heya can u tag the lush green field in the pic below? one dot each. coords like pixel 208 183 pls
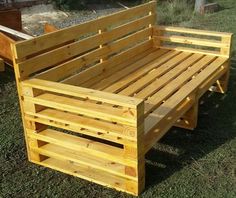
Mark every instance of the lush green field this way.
pixel 201 163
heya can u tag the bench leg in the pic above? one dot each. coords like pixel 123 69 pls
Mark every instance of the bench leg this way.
pixel 189 119
pixel 135 187
pixel 221 85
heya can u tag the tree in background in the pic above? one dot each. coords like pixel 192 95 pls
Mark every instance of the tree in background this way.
pixel 199 5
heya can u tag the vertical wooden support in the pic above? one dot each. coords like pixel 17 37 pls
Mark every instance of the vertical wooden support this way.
pixel 222 84
pixel 189 119
pixel 29 127
pixel 2 65
pixel 137 155
pixel 157 32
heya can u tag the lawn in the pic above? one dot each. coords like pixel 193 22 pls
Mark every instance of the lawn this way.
pixel 199 163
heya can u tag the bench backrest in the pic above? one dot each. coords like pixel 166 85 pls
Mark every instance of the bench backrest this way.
pixel 69 50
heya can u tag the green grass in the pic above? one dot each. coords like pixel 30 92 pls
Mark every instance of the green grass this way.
pixel 201 163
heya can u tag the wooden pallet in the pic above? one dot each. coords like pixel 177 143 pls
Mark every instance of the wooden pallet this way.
pixel 97 96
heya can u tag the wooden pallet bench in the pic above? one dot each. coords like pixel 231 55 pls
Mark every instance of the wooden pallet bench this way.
pixel 96 97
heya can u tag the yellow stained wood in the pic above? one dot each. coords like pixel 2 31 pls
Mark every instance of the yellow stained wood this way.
pixel 79 123
pixel 38 63
pixel 82 92
pixel 91 147
pixel 109 64
pixel 152 75
pixel 192 41
pixel 167 77
pixel 80 157
pixel 117 67
pixel 183 94
pixel 47 41
pixel 192 31
pixel 128 70
pixel 175 84
pixel 109 113
pixel 84 172
pixel 140 72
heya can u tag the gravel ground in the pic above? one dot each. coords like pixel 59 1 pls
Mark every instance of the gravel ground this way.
pixel 35 17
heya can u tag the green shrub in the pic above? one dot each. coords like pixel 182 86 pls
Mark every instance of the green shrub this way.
pixel 174 11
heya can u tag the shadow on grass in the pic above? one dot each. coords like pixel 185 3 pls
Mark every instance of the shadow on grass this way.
pixel 180 147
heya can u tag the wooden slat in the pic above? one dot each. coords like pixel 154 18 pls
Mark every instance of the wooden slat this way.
pixel 192 50
pixel 94 148
pixel 167 77
pixel 152 75
pixel 15 33
pixel 117 67
pixel 192 41
pixel 47 41
pixel 66 52
pixel 128 70
pixel 78 123
pixel 192 31
pixel 99 177
pixel 124 82
pixel 46 60
pixel 107 65
pixel 123 116
pixel 175 84
pixel 80 157
pixel 82 92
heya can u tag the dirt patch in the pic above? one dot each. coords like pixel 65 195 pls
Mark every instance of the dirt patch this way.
pixel 35 17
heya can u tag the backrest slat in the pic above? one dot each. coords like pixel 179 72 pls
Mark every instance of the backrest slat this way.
pixel 105 36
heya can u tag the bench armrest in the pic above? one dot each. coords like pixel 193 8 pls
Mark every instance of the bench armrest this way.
pixel 95 111
pixel 207 42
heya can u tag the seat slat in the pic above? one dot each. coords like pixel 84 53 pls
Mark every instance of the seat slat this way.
pixel 117 67
pixel 152 75
pixel 124 82
pixel 167 77
pixel 154 101
pixel 128 70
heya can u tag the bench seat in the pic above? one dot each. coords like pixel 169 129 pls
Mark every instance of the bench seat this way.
pixel 166 80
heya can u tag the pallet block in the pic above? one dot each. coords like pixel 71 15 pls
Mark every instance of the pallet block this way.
pixel 97 96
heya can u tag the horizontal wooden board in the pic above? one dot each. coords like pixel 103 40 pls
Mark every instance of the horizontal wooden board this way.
pixel 80 157
pixel 126 81
pixel 94 148
pixel 47 60
pixel 109 113
pixel 192 31
pixel 99 177
pixel 192 41
pixel 109 64
pixel 82 92
pixel 78 123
